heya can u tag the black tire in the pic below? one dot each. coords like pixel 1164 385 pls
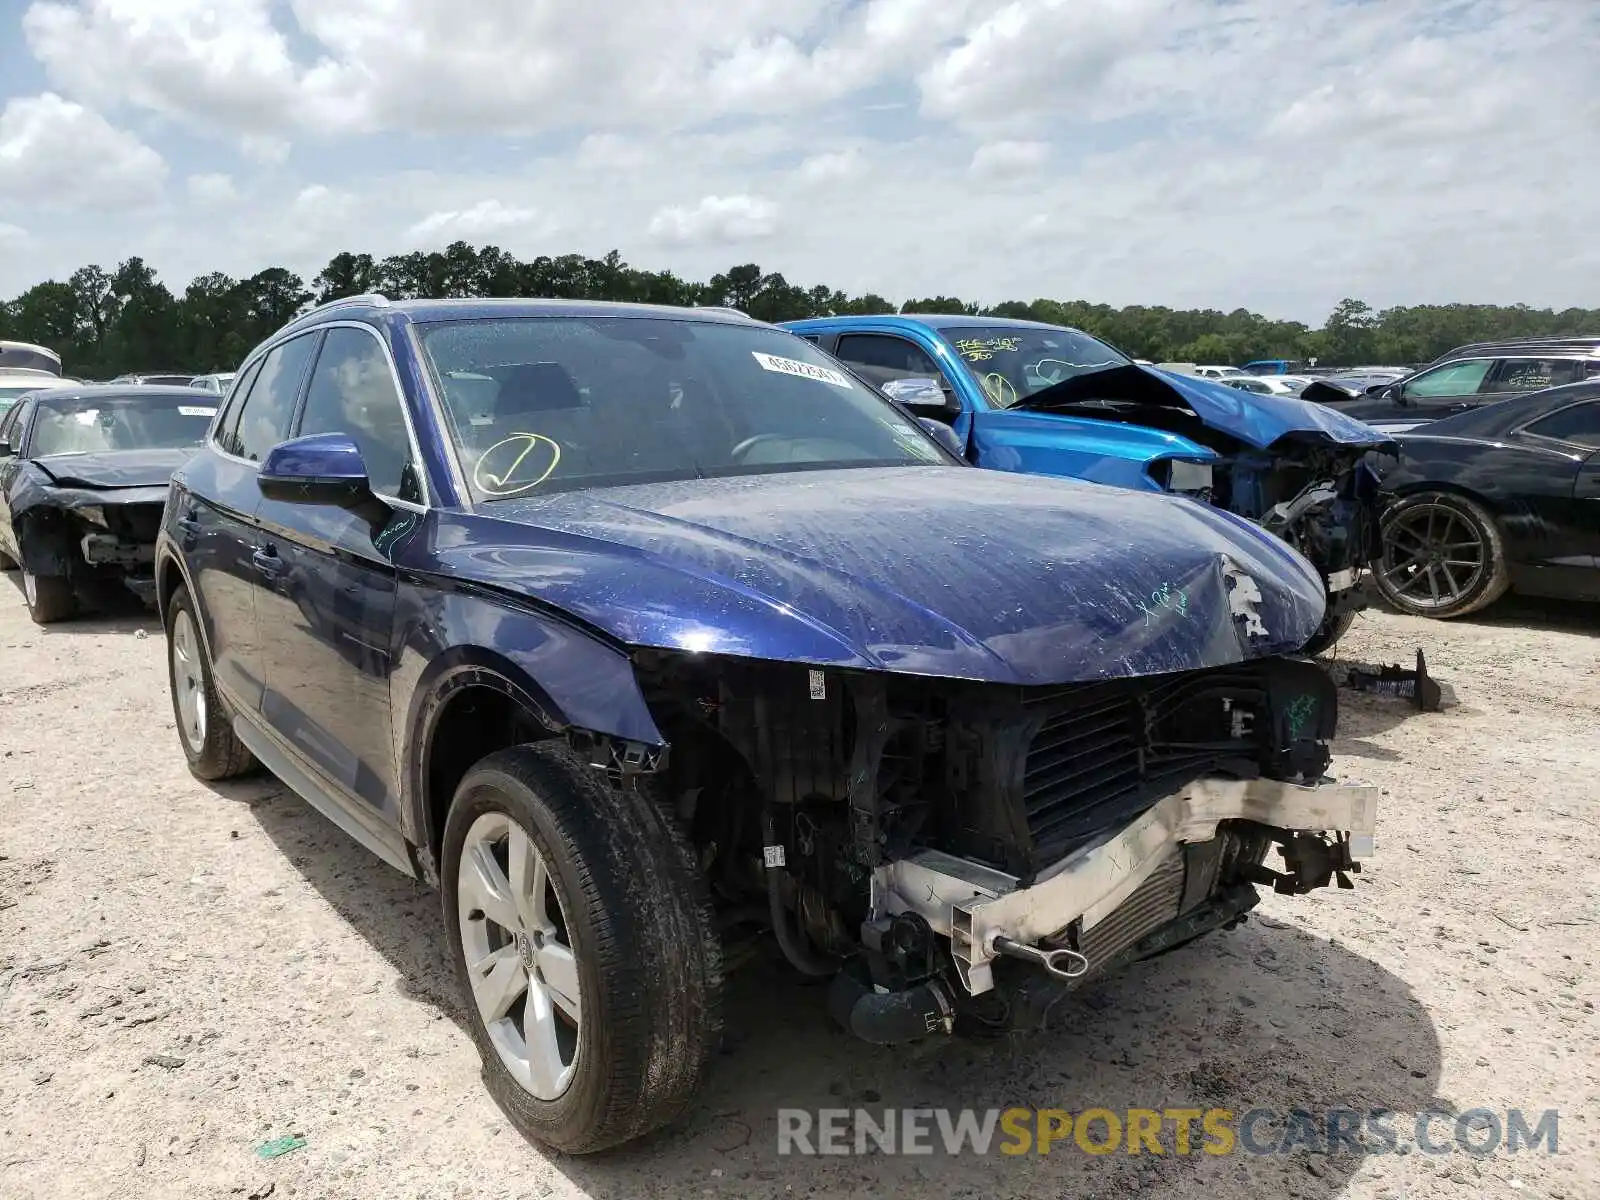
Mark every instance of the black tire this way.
pixel 1450 589
pixel 216 753
pixel 50 597
pixel 1332 629
pixel 639 918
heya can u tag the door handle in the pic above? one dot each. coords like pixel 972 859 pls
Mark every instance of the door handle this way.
pixel 267 562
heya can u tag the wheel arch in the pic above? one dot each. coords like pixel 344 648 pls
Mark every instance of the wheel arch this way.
pixel 170 573
pixel 1448 488
pixel 470 702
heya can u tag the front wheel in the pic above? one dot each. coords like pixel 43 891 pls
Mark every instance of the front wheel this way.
pixel 50 597
pixel 1442 556
pixel 584 945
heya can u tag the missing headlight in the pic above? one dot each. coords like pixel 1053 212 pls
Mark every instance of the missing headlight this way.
pixel 1179 475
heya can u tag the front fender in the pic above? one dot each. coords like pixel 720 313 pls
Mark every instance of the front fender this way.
pixel 1043 443
pixel 446 640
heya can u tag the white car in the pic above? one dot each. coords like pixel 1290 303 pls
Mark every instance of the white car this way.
pixel 1214 372
pixel 1265 385
pixel 18 381
pixel 217 384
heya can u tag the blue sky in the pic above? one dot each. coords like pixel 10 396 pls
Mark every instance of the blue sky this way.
pixel 1271 154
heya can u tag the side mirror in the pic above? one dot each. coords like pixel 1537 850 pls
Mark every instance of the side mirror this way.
pixel 324 468
pixel 920 391
pixel 944 435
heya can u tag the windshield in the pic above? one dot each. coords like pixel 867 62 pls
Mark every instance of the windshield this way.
pixel 541 404
pixel 1012 363
pixel 91 424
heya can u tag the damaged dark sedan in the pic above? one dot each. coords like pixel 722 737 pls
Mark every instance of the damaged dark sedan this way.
pixel 627 627
pixel 83 476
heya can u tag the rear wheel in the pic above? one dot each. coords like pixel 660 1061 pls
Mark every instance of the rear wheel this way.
pixel 50 597
pixel 584 946
pixel 1442 556
pixel 209 743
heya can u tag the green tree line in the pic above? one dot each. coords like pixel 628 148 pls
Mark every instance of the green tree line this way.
pixel 106 323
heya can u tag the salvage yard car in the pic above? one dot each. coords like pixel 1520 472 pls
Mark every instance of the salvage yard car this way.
pixel 1501 498
pixel 83 476
pixel 614 622
pixel 1023 396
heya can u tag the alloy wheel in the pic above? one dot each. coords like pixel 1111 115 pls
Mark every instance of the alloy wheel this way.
pixel 189 680
pixel 1433 555
pixel 520 956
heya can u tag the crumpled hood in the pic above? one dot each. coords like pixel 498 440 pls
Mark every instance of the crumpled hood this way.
pixel 1256 420
pixel 979 575
pixel 114 468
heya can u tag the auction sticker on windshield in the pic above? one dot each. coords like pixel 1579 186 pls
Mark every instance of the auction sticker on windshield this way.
pixel 791 366
pixel 195 410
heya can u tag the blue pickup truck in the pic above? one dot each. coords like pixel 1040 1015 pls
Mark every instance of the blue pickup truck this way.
pixel 1024 396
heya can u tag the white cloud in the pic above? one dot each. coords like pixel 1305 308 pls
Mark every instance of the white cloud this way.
pixel 716 219
pixel 830 166
pixel 13 237
pixel 999 160
pixel 1032 57
pixel 219 64
pixel 53 151
pixel 443 66
pixel 483 219
pixel 211 188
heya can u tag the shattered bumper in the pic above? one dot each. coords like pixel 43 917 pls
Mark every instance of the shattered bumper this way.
pixel 975 906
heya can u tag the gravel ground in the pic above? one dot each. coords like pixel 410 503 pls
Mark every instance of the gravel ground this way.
pixel 188 973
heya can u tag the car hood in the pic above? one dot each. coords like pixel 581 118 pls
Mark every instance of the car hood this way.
pixel 113 468
pixel 935 571
pixel 1256 420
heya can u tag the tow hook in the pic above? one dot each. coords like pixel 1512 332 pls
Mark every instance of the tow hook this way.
pixel 1063 963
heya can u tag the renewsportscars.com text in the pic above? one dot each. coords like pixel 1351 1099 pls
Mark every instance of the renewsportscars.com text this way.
pixel 1176 1131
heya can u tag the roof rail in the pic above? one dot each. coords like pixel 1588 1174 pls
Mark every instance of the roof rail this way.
pixel 1569 343
pixel 365 299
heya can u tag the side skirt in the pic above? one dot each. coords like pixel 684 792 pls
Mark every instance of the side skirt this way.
pixel 386 843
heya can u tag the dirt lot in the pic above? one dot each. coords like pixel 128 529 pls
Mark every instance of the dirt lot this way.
pixel 187 973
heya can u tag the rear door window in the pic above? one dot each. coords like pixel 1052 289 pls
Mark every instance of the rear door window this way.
pixel 1579 425
pixel 1533 374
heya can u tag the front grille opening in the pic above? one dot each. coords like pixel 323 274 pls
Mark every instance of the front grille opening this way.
pixel 1102 754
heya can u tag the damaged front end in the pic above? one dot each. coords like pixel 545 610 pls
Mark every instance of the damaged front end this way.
pixel 1297 469
pixel 97 539
pixel 966 853
pixel 1320 499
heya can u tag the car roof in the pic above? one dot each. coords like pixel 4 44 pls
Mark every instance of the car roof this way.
pixel 1586 346
pixel 930 320
pixel 110 391
pixel 424 311
pixel 1502 416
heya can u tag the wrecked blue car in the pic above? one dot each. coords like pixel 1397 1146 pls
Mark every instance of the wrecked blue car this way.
pixel 1021 396
pixel 638 631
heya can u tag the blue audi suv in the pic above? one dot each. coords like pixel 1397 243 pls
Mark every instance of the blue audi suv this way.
pixel 633 630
